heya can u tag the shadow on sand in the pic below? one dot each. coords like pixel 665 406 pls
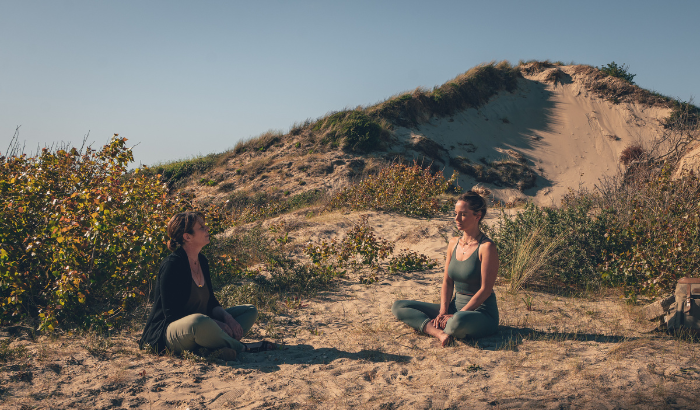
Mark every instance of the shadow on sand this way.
pixel 303 354
pixel 509 338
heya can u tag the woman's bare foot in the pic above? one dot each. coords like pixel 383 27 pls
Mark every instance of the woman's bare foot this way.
pixel 443 337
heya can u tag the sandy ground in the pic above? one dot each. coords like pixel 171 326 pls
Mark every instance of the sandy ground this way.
pixel 569 136
pixel 344 349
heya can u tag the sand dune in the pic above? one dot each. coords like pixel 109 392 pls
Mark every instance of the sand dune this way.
pixel 568 135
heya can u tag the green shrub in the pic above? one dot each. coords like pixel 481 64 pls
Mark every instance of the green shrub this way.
pixel 363 252
pixel 612 69
pixel 80 237
pixel 246 256
pixel 410 190
pixel 655 240
pixel 359 247
pixel 411 261
pixel 577 225
pixel 207 182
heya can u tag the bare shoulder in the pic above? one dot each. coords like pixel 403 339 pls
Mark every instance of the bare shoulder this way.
pixel 453 242
pixel 488 247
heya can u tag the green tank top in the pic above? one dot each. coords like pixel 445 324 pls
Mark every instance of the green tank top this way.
pixel 466 274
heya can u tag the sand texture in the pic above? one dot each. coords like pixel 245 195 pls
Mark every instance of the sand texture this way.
pixel 344 349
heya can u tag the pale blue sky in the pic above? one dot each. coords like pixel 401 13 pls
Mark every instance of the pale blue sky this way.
pixel 184 78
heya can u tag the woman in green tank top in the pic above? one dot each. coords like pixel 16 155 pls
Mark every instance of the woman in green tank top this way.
pixel 470 273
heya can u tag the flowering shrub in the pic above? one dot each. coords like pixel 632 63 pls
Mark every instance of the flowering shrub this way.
pixel 410 190
pixel 80 238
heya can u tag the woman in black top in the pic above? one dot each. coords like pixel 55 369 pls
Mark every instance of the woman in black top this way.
pixel 185 313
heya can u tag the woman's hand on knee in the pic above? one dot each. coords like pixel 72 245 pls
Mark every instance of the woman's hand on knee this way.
pixel 226 328
pixel 440 321
pixel 236 329
pixel 443 321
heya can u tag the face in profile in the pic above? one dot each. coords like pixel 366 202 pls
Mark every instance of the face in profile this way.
pixel 465 218
pixel 200 235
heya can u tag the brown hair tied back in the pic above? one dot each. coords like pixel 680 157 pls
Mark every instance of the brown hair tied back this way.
pixel 476 200
pixel 179 225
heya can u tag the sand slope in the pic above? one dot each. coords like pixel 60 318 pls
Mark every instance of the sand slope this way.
pixel 567 134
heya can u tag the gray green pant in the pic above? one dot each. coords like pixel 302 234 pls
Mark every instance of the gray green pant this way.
pixel 477 323
pixel 199 330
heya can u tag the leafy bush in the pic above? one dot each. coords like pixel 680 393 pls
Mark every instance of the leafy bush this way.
pixel 578 226
pixel 411 261
pixel 655 240
pixel 359 247
pixel 612 69
pixel 80 238
pixel 363 252
pixel 410 190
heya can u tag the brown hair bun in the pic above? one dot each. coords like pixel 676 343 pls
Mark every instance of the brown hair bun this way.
pixel 482 191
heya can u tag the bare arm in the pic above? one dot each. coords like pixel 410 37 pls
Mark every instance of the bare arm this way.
pixel 488 254
pixel 447 282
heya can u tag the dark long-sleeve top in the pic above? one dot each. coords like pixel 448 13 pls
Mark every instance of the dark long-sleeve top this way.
pixel 173 285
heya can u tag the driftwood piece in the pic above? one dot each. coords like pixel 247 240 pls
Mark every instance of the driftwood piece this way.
pixel 658 309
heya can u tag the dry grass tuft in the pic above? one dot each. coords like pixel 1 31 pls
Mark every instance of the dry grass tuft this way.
pixel 530 254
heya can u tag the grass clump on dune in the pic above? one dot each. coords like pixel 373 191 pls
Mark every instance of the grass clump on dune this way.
pixel 176 172
pixel 469 90
pixel 351 130
pixel 260 143
pixel 406 189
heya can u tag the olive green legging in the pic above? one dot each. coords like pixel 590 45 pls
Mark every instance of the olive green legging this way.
pixel 477 323
pixel 198 330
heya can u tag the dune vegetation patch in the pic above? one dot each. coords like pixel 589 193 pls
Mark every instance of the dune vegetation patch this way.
pixel 505 172
pixel 406 189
